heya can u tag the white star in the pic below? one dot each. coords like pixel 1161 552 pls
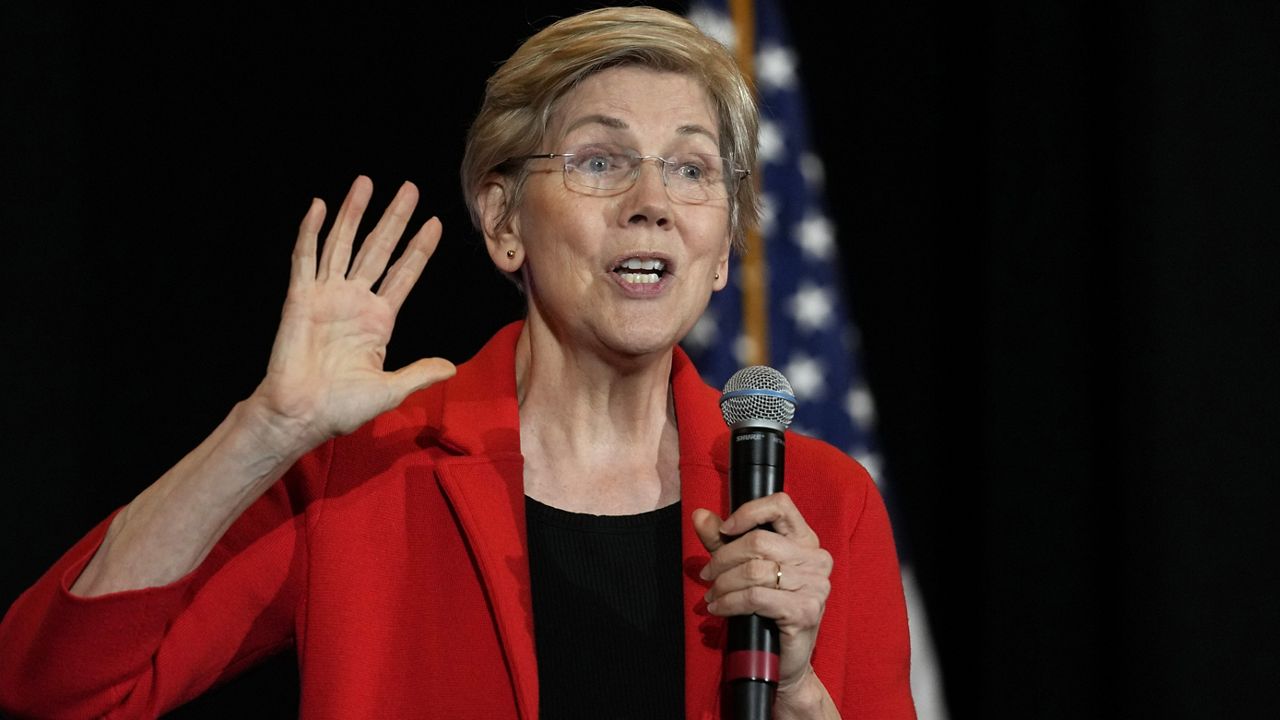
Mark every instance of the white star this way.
pixel 811 306
pixel 805 374
pixel 811 168
pixel 861 406
pixel 816 236
pixel 871 461
pixel 704 332
pixel 771 141
pixel 715 25
pixel 744 350
pixel 776 68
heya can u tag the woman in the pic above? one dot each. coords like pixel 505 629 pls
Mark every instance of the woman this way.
pixel 509 539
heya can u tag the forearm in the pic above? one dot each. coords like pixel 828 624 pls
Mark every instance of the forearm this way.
pixel 172 525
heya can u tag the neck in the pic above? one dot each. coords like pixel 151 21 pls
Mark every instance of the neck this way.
pixel 598 432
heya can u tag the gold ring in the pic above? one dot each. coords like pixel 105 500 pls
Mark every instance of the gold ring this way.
pixel 777 582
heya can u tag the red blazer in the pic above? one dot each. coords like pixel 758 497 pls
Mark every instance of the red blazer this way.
pixel 394 560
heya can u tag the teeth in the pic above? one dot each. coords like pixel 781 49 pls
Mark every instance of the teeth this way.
pixel 645 264
pixel 639 278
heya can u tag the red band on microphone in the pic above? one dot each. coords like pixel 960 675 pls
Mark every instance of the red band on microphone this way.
pixel 751 664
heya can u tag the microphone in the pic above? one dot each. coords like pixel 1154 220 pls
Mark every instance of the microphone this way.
pixel 758 406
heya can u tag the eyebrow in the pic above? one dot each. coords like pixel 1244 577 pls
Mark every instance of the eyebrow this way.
pixel 620 124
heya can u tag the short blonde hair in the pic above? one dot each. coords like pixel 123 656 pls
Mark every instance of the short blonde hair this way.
pixel 520 97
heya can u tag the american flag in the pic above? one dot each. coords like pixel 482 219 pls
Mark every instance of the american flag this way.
pixel 804 330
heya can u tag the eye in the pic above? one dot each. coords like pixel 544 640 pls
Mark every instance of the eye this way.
pixel 691 171
pixel 595 164
pixel 598 160
pixel 694 168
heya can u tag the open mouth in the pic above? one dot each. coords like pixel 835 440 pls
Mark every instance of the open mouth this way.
pixel 641 271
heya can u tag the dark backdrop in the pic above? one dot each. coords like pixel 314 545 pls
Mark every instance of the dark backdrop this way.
pixel 1058 222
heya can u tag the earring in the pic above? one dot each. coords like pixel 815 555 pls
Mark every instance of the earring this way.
pixel 511 253
pixel 717 276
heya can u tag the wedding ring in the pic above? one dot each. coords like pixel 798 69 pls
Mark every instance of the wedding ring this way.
pixel 777 582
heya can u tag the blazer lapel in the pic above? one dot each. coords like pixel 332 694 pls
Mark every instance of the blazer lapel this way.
pixel 480 421
pixel 487 494
pixel 704 473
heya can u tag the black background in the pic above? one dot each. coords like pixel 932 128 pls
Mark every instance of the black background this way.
pixel 1059 225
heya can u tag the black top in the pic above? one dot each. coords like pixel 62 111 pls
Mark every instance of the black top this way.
pixel 607 608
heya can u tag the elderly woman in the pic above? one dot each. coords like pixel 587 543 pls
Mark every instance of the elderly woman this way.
pixel 506 539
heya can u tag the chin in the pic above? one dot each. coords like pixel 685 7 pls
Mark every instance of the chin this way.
pixel 642 339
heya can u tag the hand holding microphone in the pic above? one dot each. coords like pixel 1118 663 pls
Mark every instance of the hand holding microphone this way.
pixel 768 573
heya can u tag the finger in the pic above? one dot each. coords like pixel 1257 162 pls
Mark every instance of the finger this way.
pixel 337 245
pixel 418 375
pixel 789 609
pixel 776 510
pixel 813 573
pixel 754 545
pixel 756 572
pixel 374 251
pixel 707 525
pixel 406 271
pixel 302 269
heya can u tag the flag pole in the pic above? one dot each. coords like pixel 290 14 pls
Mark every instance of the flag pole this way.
pixel 755 314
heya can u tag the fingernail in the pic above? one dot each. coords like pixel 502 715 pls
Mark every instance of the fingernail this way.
pixel 707 598
pixel 705 573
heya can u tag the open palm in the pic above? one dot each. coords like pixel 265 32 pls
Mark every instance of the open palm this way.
pixel 325 375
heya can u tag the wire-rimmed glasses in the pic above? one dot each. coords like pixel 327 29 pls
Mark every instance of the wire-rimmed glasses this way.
pixel 604 169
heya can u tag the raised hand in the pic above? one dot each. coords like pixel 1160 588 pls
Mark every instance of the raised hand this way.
pixel 324 378
pixel 325 375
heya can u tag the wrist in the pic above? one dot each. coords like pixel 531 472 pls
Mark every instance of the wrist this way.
pixel 805 697
pixel 274 435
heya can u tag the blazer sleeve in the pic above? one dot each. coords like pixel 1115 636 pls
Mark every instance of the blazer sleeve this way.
pixel 143 652
pixel 877 681
pixel 863 654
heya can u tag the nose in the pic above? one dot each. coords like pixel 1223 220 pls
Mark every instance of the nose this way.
pixel 647 201
pixel 658 162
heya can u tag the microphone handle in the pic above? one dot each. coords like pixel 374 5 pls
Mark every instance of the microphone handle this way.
pixel 756 465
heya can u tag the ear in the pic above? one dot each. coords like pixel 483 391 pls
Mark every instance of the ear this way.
pixel 501 238
pixel 722 267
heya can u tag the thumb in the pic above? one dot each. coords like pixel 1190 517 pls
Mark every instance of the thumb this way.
pixel 707 525
pixel 421 374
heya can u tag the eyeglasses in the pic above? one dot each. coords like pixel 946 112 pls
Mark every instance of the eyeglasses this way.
pixel 603 169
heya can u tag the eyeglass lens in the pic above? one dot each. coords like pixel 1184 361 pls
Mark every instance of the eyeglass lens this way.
pixel 689 176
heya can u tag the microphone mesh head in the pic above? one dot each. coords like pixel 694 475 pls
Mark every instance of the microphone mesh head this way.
pixel 758 394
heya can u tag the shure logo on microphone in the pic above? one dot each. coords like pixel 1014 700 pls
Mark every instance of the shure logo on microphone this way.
pixel 750 436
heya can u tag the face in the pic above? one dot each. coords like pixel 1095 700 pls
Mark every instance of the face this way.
pixel 628 273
